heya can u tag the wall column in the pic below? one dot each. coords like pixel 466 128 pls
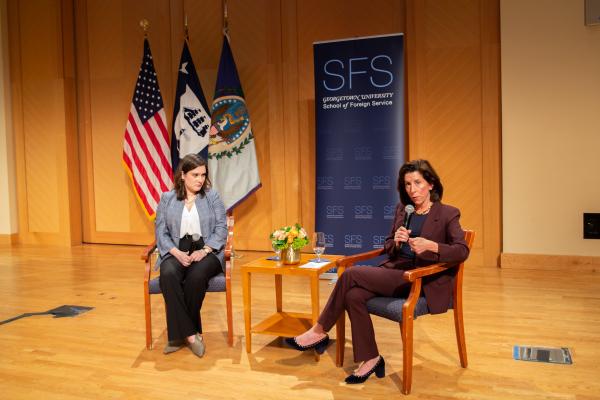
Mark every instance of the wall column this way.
pixel 8 187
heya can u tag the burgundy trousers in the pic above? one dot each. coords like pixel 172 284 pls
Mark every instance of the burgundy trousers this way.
pixel 351 292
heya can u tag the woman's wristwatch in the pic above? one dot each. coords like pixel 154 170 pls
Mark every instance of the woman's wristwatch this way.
pixel 207 250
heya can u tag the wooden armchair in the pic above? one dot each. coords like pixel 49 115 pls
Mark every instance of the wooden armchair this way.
pixel 219 283
pixel 404 311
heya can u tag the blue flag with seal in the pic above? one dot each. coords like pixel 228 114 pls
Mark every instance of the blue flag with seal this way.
pixel 232 163
pixel 191 121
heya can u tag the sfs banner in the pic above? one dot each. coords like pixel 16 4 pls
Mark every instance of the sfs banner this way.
pixel 360 140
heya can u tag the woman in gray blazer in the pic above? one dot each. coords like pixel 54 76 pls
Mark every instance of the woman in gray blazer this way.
pixel 432 235
pixel 191 232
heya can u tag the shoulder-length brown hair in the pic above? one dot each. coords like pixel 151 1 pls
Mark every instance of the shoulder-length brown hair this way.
pixel 186 164
pixel 429 174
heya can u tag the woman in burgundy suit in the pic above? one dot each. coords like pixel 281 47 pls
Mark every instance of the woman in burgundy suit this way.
pixel 433 235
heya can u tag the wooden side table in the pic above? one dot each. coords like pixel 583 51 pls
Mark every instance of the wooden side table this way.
pixel 282 323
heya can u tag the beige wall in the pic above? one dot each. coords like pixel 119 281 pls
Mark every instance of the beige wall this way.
pixel 550 126
pixel 8 194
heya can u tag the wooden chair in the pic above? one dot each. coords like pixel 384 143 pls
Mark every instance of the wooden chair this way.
pixel 404 311
pixel 219 283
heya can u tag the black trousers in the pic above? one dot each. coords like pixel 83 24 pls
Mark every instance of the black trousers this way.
pixel 352 291
pixel 183 289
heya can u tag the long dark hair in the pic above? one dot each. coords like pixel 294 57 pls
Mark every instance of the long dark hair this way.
pixel 429 174
pixel 186 164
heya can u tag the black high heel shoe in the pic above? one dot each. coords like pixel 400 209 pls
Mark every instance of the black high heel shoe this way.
pixel 378 368
pixel 319 345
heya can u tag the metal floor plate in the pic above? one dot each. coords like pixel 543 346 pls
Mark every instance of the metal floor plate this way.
pixel 555 355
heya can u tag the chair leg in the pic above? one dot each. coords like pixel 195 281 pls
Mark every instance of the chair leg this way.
pixel 229 311
pixel 406 330
pixel 459 326
pixel 147 311
pixel 460 332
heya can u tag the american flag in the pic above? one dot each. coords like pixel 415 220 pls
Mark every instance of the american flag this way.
pixel 146 150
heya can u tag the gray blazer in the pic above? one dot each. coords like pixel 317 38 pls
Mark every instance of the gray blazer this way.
pixel 213 223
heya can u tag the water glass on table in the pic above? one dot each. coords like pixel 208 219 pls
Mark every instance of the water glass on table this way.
pixel 277 252
pixel 318 244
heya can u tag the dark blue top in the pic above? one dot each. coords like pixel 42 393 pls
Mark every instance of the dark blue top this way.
pixel 415 227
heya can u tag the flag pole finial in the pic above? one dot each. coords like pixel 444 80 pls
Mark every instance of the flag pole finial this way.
pixel 225 20
pixel 144 24
pixel 186 32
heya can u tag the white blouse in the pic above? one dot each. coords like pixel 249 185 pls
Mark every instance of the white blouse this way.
pixel 190 221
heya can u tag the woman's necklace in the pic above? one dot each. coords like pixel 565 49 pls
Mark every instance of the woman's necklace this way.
pixel 424 211
pixel 190 201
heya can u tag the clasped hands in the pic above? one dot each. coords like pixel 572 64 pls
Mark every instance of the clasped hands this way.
pixel 418 244
pixel 185 259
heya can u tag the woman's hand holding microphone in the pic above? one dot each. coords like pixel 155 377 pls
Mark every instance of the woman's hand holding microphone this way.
pixel 418 244
pixel 401 236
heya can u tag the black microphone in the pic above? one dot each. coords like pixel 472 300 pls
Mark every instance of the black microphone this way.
pixel 408 210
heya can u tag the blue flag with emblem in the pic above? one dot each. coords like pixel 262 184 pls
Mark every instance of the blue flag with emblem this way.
pixel 191 121
pixel 232 163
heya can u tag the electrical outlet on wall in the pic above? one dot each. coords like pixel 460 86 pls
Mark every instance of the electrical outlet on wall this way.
pixel 591 225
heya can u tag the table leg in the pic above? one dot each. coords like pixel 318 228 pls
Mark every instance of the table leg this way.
pixel 314 295
pixel 247 309
pixel 278 292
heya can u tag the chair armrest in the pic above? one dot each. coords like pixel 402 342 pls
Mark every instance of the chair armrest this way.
pixel 146 257
pixel 228 247
pixel 148 251
pixel 417 273
pixel 228 267
pixel 229 244
pixel 409 276
pixel 351 260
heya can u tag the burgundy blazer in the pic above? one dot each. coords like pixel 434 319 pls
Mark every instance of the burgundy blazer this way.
pixel 442 225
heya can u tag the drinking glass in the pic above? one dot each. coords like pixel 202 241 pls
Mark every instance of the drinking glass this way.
pixel 277 252
pixel 318 244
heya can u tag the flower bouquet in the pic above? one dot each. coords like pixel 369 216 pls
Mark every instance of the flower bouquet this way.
pixel 289 240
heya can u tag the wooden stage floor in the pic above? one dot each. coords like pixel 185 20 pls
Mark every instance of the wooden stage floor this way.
pixel 101 354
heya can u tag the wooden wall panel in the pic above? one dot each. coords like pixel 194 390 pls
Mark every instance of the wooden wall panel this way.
pixel 110 42
pixel 491 132
pixel 314 23
pixel 452 95
pixel 43 97
pixel 44 107
pixel 451 72
pixel 255 31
